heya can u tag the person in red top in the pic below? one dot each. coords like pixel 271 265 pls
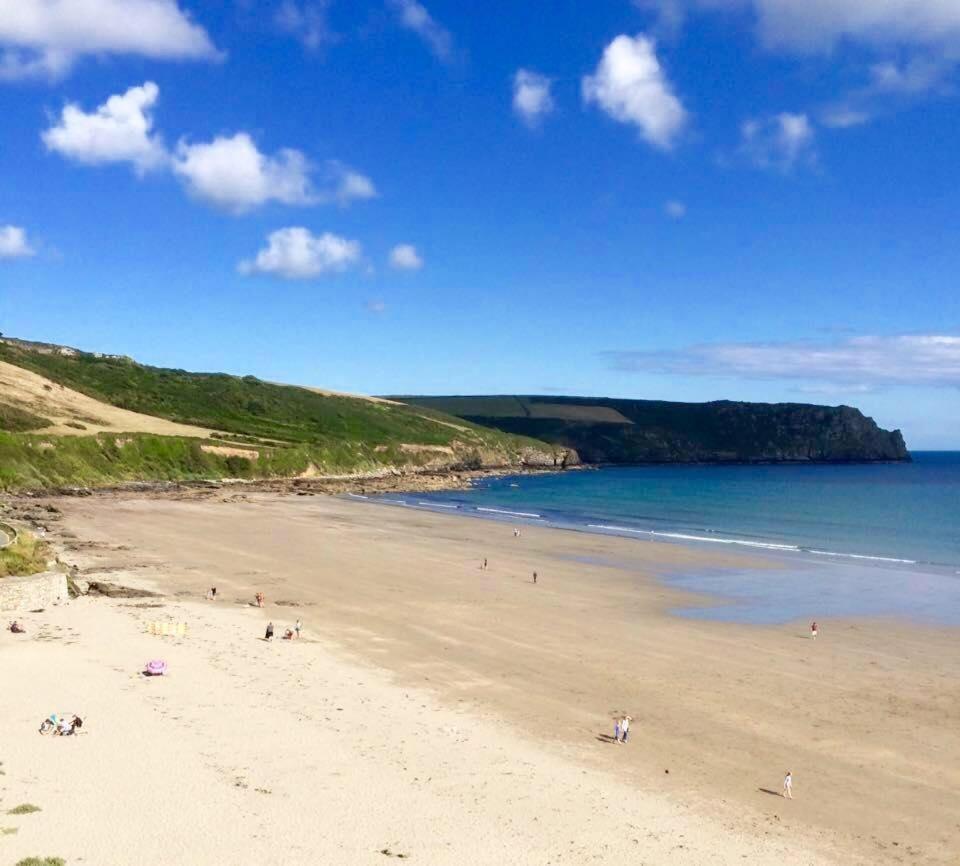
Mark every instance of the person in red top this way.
pixel 813 630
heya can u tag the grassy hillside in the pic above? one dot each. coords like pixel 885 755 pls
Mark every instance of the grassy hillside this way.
pixel 657 431
pixel 264 430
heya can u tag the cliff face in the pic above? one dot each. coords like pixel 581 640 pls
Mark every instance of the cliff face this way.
pixel 650 431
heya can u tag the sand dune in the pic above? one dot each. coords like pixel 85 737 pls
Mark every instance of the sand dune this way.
pixel 64 406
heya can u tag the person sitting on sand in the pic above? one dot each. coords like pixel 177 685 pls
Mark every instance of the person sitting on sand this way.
pixel 68 727
pixel 288 634
pixel 269 633
pixel 16 628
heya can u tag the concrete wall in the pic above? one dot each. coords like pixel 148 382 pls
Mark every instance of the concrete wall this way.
pixel 33 592
pixel 8 534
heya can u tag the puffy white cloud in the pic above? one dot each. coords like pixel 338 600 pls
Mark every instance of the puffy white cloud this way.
pixel 231 173
pixel 14 243
pixel 297 254
pixel 532 100
pixel 913 359
pixel 675 209
pixel 45 37
pixel 629 84
pixel 306 22
pixel 405 257
pixel 415 17
pixel 779 142
pixel 120 130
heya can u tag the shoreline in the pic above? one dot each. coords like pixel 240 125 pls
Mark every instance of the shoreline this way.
pixel 866 717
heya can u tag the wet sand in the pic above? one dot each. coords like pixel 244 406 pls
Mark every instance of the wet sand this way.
pixel 867 717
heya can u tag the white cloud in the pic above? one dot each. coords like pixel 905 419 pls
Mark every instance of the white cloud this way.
pixel 120 130
pixel 844 117
pixel 779 142
pixel 296 254
pixel 405 257
pixel 46 37
pixel 819 25
pixel 675 209
pixel 629 84
pixel 532 100
pixel 415 17
pixel 231 173
pixel 14 243
pixel 925 359
pixel 347 185
pixel 306 22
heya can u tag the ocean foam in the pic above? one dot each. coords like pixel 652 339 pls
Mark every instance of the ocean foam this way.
pixel 511 513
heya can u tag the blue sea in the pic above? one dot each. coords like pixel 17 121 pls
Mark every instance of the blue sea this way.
pixel 850 540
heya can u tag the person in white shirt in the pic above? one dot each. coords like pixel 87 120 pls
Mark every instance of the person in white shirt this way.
pixel 624 729
pixel 788 785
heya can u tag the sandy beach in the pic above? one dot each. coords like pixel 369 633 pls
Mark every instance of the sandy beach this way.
pixel 448 714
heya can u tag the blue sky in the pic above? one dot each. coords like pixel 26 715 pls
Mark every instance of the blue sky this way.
pixel 674 199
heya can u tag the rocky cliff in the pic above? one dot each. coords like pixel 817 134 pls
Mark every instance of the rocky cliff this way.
pixel 653 431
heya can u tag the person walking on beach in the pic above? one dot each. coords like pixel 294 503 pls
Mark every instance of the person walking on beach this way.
pixel 484 566
pixel 259 598
pixel 624 729
pixel 534 577
pixel 813 630
pixel 269 633
pixel 788 786
pixel 298 626
pixel 616 730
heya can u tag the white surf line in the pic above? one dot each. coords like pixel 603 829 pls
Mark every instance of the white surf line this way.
pixel 864 556
pixel 394 501
pixel 437 505
pixel 684 537
pixel 511 513
pixel 357 496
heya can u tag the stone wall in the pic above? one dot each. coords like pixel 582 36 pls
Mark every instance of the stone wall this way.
pixel 33 592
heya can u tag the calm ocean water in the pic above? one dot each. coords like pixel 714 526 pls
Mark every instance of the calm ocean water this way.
pixel 888 534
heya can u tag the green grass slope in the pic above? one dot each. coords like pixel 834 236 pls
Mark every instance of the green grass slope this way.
pixel 281 430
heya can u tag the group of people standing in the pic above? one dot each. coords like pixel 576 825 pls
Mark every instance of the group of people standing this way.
pixel 621 729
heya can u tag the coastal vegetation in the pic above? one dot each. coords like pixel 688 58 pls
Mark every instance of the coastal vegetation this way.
pixel 27 555
pixel 658 431
pixel 257 429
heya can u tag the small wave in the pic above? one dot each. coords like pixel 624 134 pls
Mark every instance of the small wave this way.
pixel 437 505
pixel 863 556
pixel 394 501
pixel 511 513
pixel 357 496
pixel 765 545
